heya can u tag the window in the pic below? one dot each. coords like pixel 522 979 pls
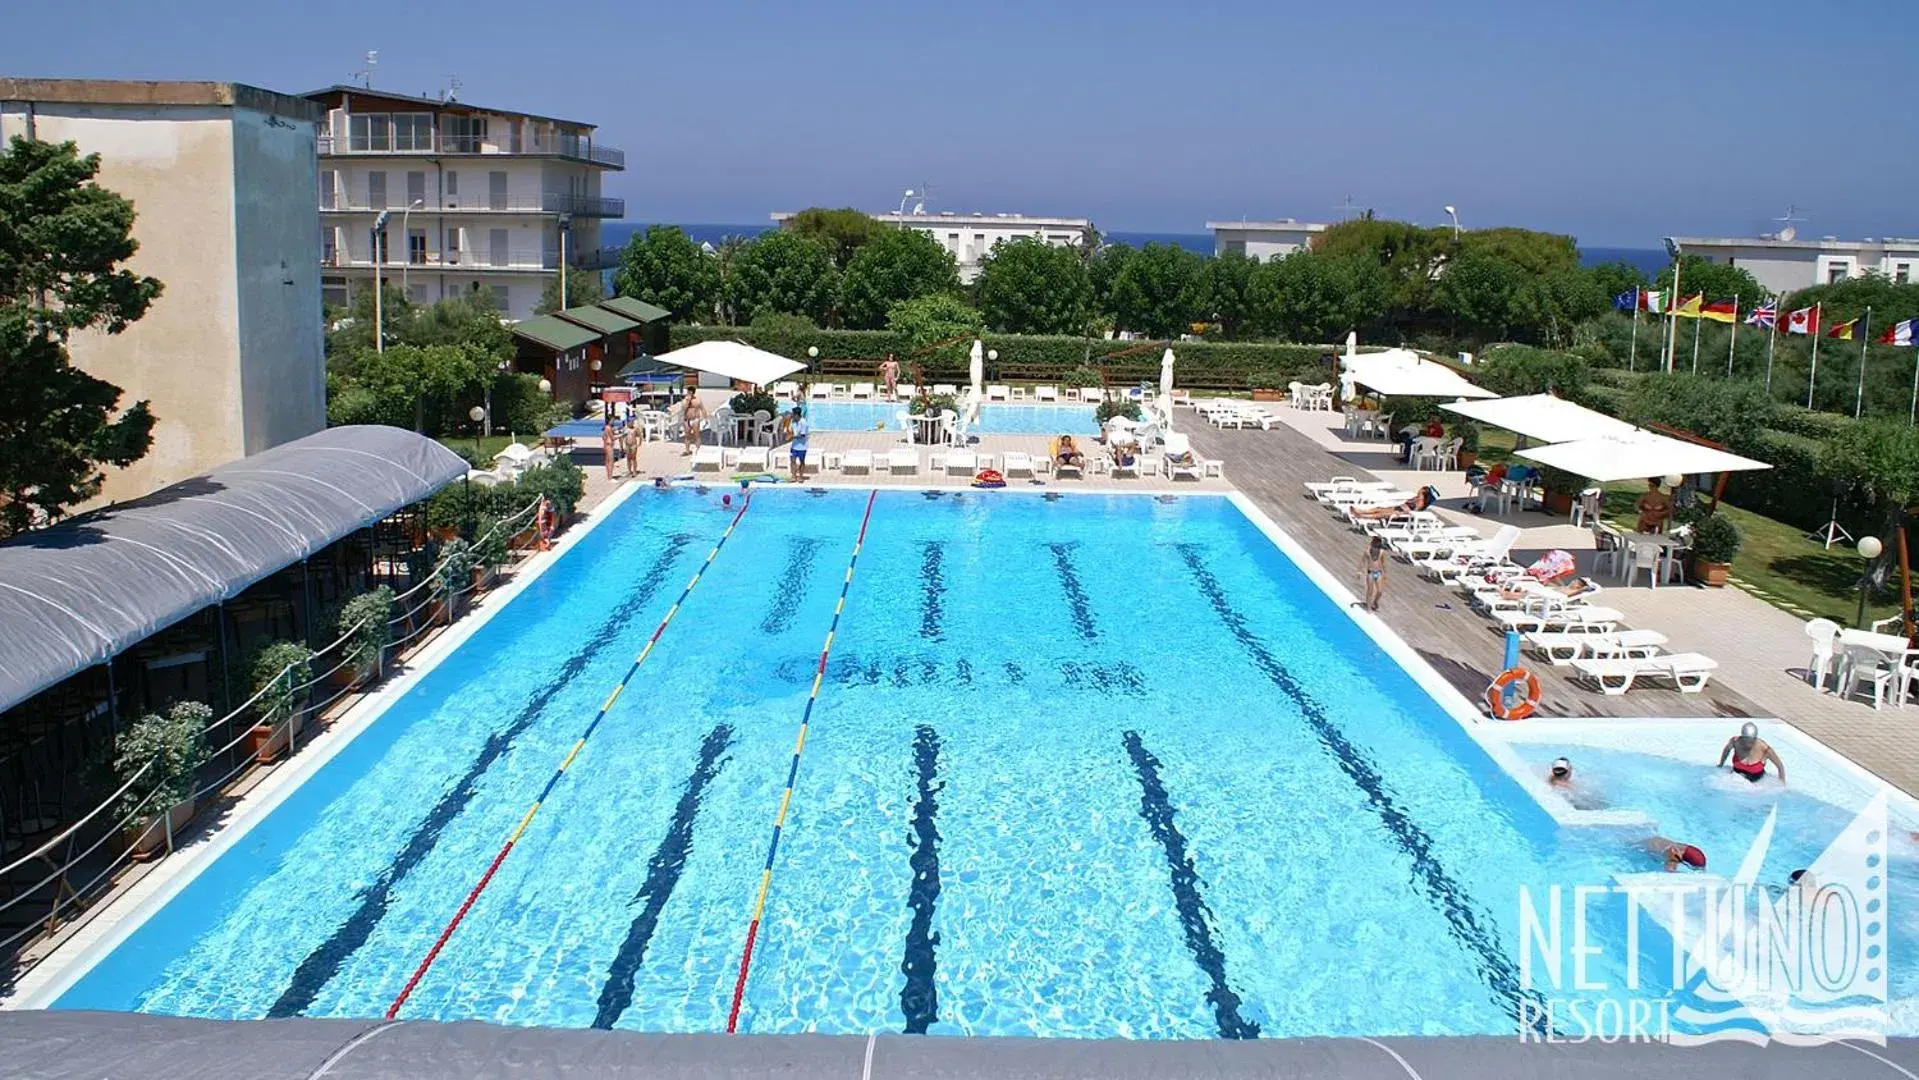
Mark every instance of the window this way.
pixel 413 131
pixel 450 250
pixel 380 249
pixel 327 181
pixel 1234 247
pixel 451 180
pixel 1835 272
pixel 1902 273
pixel 416 188
pixel 376 190
pixel 333 292
pixel 462 134
pixel 416 246
pixel 370 131
pixel 496 247
pixel 329 247
pixel 503 297
pixel 496 191
pixel 416 293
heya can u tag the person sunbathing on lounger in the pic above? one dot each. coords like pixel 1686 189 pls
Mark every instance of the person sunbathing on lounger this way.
pixel 1577 587
pixel 1421 499
pixel 1068 453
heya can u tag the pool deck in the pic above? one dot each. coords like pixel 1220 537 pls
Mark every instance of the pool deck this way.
pixel 131 1046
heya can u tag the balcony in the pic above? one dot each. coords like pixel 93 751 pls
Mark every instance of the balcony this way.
pixel 521 261
pixel 571 147
pixel 548 202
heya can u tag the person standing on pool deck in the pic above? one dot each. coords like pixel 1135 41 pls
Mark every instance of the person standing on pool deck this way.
pixel 798 452
pixel 1372 567
pixel 692 418
pixel 1750 753
pixel 631 440
pixel 890 375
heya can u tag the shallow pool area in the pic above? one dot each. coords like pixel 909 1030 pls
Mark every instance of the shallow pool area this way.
pixel 1074 766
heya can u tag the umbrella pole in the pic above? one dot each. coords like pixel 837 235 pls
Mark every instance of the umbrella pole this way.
pixel 1718 489
pixel 1905 580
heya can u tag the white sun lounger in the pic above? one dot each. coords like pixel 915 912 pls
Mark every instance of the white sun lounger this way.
pixel 1017 463
pixel 821 391
pixel 906 390
pixel 999 393
pixel 863 390
pixel 1473 558
pixel 945 388
pixel 1688 672
pixel 755 458
pixel 1046 393
pixel 1570 616
pixel 786 389
pixel 709 457
pixel 1565 646
pixel 901 460
pixel 1432 544
pixel 1317 488
pixel 858 460
pixel 962 463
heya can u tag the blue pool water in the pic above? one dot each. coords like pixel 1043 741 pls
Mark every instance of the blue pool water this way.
pixel 993 419
pixel 1079 766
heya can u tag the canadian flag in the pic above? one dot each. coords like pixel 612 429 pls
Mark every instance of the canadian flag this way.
pixel 1803 321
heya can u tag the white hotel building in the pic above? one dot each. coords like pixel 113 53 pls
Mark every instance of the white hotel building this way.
pixel 475 198
pixel 1262 240
pixel 968 237
pixel 1792 263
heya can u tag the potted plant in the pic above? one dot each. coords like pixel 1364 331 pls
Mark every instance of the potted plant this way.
pixel 453 577
pixel 1083 376
pixel 1467 432
pixel 1267 385
pixel 1715 543
pixel 489 552
pixel 1558 488
pixel 281 672
pixel 160 802
pixel 366 623
pixel 1112 407
pixel 754 400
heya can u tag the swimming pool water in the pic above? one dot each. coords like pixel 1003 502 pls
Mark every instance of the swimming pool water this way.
pixel 1079 766
pixel 993 419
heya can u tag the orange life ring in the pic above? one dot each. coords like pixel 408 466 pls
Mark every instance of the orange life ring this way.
pixel 1501 700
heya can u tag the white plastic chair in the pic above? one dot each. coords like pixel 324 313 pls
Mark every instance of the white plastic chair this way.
pixel 1586 507
pixel 1824 634
pixel 1647 557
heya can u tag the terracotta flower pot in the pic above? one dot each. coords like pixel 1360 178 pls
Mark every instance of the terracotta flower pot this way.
pixel 148 840
pixel 1712 574
pixel 1264 394
pixel 1558 502
pixel 1467 458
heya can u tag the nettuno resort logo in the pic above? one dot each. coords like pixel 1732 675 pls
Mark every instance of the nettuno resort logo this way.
pixel 1689 958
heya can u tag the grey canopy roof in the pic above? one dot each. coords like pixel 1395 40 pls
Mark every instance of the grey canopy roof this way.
pixel 77 593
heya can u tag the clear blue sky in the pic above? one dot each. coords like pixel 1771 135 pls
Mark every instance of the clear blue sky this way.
pixel 1615 122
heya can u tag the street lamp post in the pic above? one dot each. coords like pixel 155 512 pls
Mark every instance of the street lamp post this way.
pixel 1454 214
pixel 903 198
pixel 408 238
pixel 379 316
pixel 1869 547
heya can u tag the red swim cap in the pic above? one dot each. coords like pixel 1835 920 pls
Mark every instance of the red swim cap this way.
pixel 1692 856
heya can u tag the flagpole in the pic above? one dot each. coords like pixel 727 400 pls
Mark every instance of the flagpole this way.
pixel 1772 336
pixel 1914 418
pixel 1672 344
pixel 1859 400
pixel 1812 378
pixel 1632 351
pixel 1734 342
pixel 1696 320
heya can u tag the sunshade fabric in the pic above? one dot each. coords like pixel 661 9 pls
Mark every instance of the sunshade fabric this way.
pixel 734 360
pixel 1639 455
pixel 1404 373
pixel 1542 417
pixel 77 593
pixel 555 332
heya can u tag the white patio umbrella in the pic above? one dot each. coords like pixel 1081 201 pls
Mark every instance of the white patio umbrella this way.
pixel 1166 374
pixel 1637 455
pixel 976 368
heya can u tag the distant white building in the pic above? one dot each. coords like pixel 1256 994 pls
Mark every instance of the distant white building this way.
pixel 1262 240
pixel 1784 265
pixel 970 236
pixel 475 197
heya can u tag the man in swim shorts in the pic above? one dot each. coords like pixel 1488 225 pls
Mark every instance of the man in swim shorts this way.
pixel 1750 753
pixel 1676 854
pixel 801 429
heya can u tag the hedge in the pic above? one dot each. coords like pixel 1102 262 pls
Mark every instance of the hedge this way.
pixel 1207 364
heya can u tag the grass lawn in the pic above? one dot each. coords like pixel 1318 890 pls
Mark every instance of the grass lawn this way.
pixel 1776 563
pixel 489 446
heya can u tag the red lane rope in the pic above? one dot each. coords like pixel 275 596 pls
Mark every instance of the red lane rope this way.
pixel 459 916
pixel 792 775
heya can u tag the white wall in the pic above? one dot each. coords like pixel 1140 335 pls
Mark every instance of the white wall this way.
pixel 277 235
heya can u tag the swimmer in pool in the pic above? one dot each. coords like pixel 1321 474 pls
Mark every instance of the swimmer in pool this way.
pixel 1675 854
pixel 1749 754
pixel 1559 777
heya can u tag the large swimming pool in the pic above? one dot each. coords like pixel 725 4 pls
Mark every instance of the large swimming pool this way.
pixel 993 419
pixel 1078 766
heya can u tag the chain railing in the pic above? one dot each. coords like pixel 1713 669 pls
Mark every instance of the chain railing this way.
pixel 433 586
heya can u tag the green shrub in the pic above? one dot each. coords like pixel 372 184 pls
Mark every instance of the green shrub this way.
pixel 175 744
pixel 1082 376
pixel 1268 379
pixel 489 544
pixel 365 620
pixel 927 402
pixel 752 401
pixel 1561 482
pixel 281 669
pixel 561 481
pixel 1715 539
pixel 1467 432
pixel 1513 370
pixel 455 571
pixel 1112 407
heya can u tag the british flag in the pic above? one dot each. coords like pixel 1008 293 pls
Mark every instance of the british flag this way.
pixel 1766 315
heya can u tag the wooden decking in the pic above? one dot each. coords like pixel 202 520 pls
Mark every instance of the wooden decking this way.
pixel 1466 649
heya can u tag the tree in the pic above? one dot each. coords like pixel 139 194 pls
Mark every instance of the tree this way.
pixel 663 266
pixel 1549 305
pixel 1714 281
pixel 785 272
pixel 1307 296
pixel 1878 462
pixel 1618 276
pixel 424 387
pixel 582 287
pixel 1027 286
pixel 1227 283
pixel 1102 269
pixel 1517 370
pixel 62 240
pixel 1158 290
pixel 842 232
pixel 1479 295
pixel 930 320
pixel 1411 258
pixel 896 265
pixel 1849 299
pixel 1532 252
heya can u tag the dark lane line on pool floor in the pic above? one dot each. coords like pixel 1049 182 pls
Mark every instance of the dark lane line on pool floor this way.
pixel 1498 972
pixel 662 875
pixel 932 589
pixel 919 998
pixel 792 589
pixel 323 963
pixel 1195 918
pixel 1075 592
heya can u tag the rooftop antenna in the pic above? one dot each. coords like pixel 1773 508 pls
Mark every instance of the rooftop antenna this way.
pixel 364 76
pixel 452 91
pixel 1346 209
pixel 1786 231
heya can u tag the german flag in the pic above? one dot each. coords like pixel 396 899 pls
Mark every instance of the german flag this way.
pixel 1721 311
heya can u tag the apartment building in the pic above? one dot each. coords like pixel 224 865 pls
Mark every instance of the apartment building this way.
pixel 969 237
pixel 1786 262
pixel 449 197
pixel 1262 240
pixel 231 356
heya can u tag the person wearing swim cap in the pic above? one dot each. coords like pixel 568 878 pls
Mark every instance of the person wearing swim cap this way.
pixel 1676 854
pixel 1750 753
pixel 1561 775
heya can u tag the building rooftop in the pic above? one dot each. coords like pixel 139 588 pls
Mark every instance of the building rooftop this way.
pixel 1281 225
pixel 1797 243
pixel 435 103
pixel 159 93
pixel 949 217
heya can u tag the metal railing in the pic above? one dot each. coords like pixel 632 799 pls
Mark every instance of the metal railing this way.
pixel 547 202
pixel 574 147
pixel 61 872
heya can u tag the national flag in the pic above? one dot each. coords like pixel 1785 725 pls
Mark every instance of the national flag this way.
pixel 1652 300
pixel 1766 315
pixel 1626 301
pixel 1688 308
pixel 1843 331
pixel 1803 321
pixel 1901 333
pixel 1720 311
